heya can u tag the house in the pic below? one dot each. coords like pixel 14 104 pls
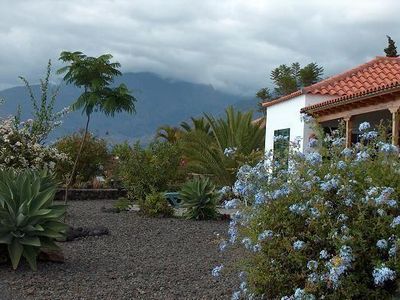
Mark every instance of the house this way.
pixel 369 92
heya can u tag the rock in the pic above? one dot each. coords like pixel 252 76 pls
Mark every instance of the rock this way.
pixel 79 232
pixel 51 255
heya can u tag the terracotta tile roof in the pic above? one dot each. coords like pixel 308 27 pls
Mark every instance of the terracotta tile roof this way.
pixel 394 86
pixel 381 72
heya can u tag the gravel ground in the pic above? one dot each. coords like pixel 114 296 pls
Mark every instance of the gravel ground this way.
pixel 143 258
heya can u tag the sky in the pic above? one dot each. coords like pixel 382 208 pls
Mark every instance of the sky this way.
pixel 230 44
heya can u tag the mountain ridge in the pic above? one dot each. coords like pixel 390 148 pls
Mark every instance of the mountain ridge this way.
pixel 161 101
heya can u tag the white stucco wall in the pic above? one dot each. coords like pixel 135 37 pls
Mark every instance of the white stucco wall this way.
pixel 311 100
pixel 287 115
pixel 284 115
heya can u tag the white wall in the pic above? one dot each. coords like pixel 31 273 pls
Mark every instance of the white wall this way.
pixel 311 100
pixel 287 115
pixel 284 115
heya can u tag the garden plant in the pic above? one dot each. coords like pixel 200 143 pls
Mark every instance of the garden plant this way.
pixel 327 226
pixel 29 220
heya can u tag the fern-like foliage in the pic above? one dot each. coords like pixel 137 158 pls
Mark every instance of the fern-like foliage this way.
pixel 205 150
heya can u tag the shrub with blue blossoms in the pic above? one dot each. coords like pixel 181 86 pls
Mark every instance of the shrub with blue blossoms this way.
pixel 327 226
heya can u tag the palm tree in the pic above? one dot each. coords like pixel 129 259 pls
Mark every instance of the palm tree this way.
pixel 95 75
pixel 197 124
pixel 206 151
pixel 169 134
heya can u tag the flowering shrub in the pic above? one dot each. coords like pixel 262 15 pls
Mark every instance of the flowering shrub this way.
pixel 19 148
pixel 93 160
pixel 327 226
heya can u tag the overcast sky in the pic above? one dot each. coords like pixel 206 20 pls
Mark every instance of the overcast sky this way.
pixel 230 44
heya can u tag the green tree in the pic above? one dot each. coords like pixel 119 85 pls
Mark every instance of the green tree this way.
pixel 198 124
pixel 263 95
pixel 288 79
pixel 232 141
pixel 169 134
pixel 391 50
pixel 95 75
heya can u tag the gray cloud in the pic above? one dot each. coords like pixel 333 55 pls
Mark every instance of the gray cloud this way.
pixel 232 45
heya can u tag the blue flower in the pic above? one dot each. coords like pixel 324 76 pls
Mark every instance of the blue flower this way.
pixel 329 185
pixel 313 277
pixel 382 244
pixel 362 156
pixel 231 204
pixel 315 212
pixel 236 295
pixel 257 248
pixel 282 192
pixel 364 126
pixel 216 272
pixel 297 209
pixel 395 222
pixel 312 265
pixel 314 158
pixel 383 274
pixel 298 245
pixel 341 165
pixel 247 243
pixel 267 234
pixel 370 135
pixel 393 250
pixel 222 246
pixel 259 198
pixel 312 143
pixel 388 148
pixel 323 254
pixel 347 152
pixel 342 218
pixel 230 151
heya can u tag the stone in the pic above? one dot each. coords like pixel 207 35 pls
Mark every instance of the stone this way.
pixel 51 255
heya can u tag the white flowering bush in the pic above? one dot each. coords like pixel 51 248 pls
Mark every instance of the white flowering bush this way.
pixel 20 149
pixel 325 227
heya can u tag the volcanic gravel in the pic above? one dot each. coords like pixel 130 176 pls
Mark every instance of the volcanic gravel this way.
pixel 142 258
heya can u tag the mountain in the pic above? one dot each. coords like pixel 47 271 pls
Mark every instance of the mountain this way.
pixel 160 101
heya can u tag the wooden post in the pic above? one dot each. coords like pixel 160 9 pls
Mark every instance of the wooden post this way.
pixel 349 130
pixel 395 125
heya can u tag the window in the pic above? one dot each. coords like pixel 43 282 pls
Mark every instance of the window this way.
pixel 281 146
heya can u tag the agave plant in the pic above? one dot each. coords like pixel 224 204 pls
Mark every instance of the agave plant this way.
pixel 29 221
pixel 200 199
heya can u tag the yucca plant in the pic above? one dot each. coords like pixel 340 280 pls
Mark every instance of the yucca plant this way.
pixel 200 199
pixel 29 221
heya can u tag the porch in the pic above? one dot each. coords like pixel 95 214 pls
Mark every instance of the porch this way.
pixel 379 109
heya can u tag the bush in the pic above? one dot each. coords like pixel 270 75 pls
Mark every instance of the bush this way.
pixel 19 148
pixel 155 205
pixel 200 199
pixel 94 156
pixel 29 221
pixel 144 170
pixel 122 204
pixel 325 227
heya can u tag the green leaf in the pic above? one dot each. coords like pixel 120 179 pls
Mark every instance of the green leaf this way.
pixel 30 241
pixel 15 250
pixel 30 254
pixel 6 239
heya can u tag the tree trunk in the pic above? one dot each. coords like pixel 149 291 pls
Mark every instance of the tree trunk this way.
pixel 71 177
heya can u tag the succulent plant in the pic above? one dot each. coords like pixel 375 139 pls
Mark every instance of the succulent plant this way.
pixel 200 199
pixel 29 221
